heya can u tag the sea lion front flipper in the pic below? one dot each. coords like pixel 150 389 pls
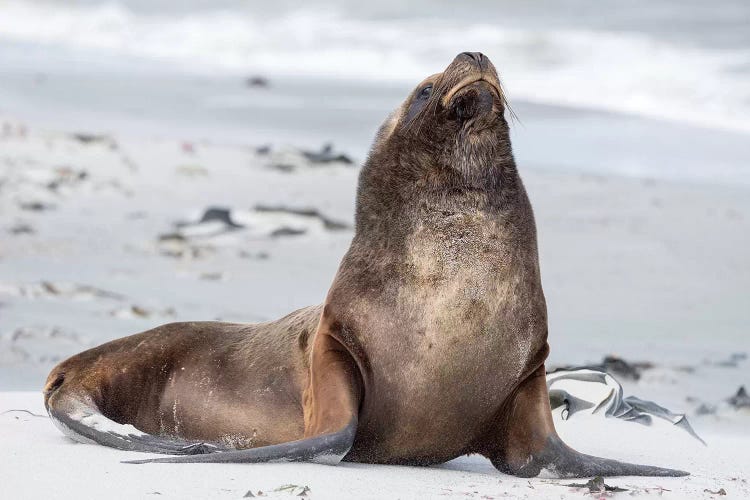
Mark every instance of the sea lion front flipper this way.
pixel 526 444
pixel 330 405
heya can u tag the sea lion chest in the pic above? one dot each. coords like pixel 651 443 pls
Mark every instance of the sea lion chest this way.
pixel 449 336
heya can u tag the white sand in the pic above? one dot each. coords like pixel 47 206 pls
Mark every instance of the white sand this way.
pixel 38 461
pixel 649 270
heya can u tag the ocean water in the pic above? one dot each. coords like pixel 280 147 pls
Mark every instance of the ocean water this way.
pixel 181 63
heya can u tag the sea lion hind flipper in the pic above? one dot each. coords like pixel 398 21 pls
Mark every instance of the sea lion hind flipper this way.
pixel 526 444
pixel 330 406
pixel 84 423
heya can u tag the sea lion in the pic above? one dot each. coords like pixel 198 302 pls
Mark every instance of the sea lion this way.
pixel 430 344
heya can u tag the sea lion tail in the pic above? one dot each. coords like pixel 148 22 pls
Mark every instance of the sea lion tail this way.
pixel 79 418
pixel 561 461
pixel 327 449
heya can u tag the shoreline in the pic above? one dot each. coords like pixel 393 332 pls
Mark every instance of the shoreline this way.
pixel 307 112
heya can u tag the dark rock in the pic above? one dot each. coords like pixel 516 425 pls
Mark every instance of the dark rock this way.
pixel 705 409
pixel 219 214
pixel 287 231
pixel 720 492
pixel 257 82
pixel 85 138
pixel 283 167
pixel 596 485
pixel 625 369
pixel 263 150
pixel 326 155
pixel 733 360
pixel 740 400
pixel 67 176
pixel 176 237
pixel 21 229
pixel 328 223
pixel 616 366
pixel 36 206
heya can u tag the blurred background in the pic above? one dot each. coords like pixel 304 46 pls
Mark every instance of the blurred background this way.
pixel 195 160
pixel 180 68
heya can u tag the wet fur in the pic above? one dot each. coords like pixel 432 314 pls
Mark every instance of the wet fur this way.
pixel 234 385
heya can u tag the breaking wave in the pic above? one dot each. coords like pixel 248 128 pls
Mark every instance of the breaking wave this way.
pixel 621 71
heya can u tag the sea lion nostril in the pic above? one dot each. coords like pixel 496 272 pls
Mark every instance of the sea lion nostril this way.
pixel 475 56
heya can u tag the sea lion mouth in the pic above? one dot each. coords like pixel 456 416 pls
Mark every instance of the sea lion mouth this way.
pixel 466 69
pixel 474 101
pixel 470 80
pixel 473 87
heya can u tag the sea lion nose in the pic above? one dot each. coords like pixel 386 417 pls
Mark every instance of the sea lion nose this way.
pixel 477 57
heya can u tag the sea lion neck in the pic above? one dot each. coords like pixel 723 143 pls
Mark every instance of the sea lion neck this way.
pixel 402 181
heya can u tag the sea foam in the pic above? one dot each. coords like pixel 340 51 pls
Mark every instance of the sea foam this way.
pixel 618 71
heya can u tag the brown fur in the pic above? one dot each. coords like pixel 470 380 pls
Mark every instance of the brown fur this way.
pixel 438 302
pixel 240 385
pixel 440 290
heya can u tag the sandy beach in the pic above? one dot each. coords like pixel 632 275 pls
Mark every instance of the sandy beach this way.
pixel 103 238
pixel 179 160
pixel 31 443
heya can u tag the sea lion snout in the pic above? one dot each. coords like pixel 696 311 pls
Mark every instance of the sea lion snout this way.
pixel 471 79
pixel 478 58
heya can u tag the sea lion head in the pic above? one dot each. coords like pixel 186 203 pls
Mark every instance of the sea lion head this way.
pixel 459 111
pixel 447 145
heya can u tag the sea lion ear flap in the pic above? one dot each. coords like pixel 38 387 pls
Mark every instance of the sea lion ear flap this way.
pixel 525 442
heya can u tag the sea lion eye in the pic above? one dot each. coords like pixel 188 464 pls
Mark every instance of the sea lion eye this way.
pixel 418 103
